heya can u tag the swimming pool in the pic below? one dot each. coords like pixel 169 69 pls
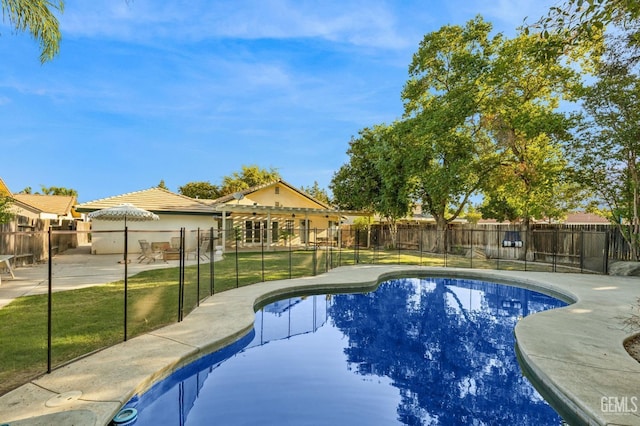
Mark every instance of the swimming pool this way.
pixel 415 351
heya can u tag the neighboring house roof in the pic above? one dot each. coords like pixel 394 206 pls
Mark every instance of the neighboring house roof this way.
pixel 4 189
pixel 573 218
pixel 583 218
pixel 157 200
pixel 60 205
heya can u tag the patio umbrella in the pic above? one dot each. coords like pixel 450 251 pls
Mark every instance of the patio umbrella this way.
pixel 124 212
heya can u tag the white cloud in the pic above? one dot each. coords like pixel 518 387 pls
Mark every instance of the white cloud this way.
pixel 354 22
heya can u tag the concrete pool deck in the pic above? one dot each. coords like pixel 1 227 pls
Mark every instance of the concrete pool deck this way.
pixel 574 354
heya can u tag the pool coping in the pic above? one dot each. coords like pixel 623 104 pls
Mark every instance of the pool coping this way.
pixel 573 355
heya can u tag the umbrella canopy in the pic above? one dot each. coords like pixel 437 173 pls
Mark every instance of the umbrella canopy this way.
pixel 124 212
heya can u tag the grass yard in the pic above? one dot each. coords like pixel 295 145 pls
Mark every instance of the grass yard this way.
pixel 90 319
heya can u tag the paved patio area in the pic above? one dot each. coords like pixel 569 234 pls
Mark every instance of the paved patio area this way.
pixel 574 354
pixel 73 269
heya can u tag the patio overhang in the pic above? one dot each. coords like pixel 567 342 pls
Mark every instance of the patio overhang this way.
pixel 302 211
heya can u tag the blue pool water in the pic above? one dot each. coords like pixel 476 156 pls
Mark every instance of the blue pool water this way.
pixel 417 351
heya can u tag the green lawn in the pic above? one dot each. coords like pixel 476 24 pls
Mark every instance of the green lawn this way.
pixel 90 319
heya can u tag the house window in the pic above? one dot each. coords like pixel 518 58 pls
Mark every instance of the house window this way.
pixel 289 226
pixel 256 231
pixel 252 231
pixel 277 189
pixel 277 203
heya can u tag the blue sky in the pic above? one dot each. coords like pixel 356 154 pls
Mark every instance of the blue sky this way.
pixel 184 91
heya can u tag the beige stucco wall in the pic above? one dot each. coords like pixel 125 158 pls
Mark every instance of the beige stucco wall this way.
pixel 286 198
pixel 107 237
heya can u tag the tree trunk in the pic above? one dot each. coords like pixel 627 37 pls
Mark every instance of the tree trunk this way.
pixel 441 235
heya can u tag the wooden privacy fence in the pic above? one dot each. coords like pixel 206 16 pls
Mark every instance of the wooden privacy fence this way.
pixel 587 247
pixel 27 239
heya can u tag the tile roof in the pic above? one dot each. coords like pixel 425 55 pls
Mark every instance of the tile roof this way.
pixel 60 205
pixel 157 200
pixel 584 217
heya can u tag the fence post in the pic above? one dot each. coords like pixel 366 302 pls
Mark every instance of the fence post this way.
pixel 315 251
pixel 471 248
pixel 211 263
pixel 236 233
pixel 421 242
pixel 555 250
pixel 498 246
pixel 181 278
pixel 607 241
pixel 262 253
pixel 290 255
pixel 581 251
pixel 198 266
pixel 339 248
pixel 50 303
pixel 126 277
pixel 527 235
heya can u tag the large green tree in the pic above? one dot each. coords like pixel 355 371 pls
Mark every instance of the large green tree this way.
pixel 452 154
pixel 606 155
pixel 521 111
pixel 577 20
pixel 38 18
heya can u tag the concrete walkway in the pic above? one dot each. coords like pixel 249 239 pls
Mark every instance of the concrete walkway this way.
pixel 575 354
pixel 73 269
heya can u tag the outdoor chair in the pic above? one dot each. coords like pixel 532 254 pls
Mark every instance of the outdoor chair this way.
pixel 147 253
pixel 175 243
pixel 141 242
pixel 204 249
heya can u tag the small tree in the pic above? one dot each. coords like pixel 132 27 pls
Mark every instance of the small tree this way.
pixel 376 178
pixel 316 192
pixel 202 190
pixel 58 190
pixel 5 214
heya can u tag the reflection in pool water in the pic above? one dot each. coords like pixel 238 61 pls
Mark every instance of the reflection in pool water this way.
pixel 416 351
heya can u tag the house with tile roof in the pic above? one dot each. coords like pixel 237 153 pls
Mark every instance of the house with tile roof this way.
pixel 56 208
pixel 276 213
pixel 256 217
pixel 34 214
pixel 174 210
